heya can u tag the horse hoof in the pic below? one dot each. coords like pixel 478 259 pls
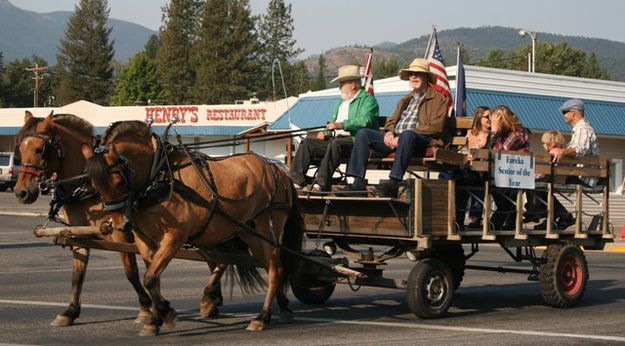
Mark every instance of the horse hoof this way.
pixel 209 310
pixel 170 319
pixel 144 316
pixel 149 330
pixel 286 317
pixel 62 321
pixel 256 326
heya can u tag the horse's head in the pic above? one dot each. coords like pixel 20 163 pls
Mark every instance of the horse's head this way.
pixel 118 168
pixel 38 150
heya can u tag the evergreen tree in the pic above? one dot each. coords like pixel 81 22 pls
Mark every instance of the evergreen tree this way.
pixel 18 85
pixel 177 35
pixel 320 80
pixel 151 47
pixel 85 55
pixel 226 52
pixel 137 82
pixel 301 79
pixel 560 59
pixel 385 69
pixel 2 87
pixel 277 42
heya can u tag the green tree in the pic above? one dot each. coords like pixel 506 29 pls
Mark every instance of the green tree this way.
pixel 85 55
pixel 151 47
pixel 560 59
pixel 301 78
pixel 173 58
pixel 320 80
pixel 226 52
pixel 277 42
pixel 385 69
pixel 18 85
pixel 2 87
pixel 137 82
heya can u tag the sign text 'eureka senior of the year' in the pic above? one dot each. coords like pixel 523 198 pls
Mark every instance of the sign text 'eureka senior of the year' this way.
pixel 514 171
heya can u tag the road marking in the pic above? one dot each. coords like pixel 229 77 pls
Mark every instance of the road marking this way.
pixel 21 213
pixel 466 329
pixel 41 271
pixel 362 323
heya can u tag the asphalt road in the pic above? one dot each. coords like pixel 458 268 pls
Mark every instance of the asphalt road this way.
pixel 489 308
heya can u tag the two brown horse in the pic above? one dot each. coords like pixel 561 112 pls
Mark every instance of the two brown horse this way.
pixel 211 201
pixel 52 145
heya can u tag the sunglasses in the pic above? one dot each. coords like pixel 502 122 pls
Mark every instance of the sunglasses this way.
pixel 416 74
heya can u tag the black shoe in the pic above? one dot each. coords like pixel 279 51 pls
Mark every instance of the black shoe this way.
pixel 565 221
pixel 530 217
pixel 357 189
pixel 542 226
pixel 475 223
pixel 387 189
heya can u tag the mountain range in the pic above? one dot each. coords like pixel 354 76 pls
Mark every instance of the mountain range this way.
pixel 24 33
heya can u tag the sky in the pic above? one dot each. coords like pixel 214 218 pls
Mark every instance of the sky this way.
pixel 324 24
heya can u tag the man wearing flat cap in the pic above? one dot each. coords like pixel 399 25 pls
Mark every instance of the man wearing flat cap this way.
pixel 583 143
pixel 356 110
pixel 417 123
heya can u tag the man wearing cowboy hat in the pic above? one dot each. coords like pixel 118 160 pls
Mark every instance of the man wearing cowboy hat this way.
pixel 357 109
pixel 417 123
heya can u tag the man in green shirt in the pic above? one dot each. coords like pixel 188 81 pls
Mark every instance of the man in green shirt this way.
pixel 355 110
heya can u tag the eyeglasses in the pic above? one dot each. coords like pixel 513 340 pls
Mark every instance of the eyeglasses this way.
pixel 415 74
pixel 566 112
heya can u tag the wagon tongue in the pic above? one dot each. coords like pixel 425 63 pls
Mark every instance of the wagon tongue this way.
pixel 348 272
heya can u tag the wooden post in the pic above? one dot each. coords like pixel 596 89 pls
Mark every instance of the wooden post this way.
pixel 551 233
pixel 452 233
pixel 518 231
pixel 578 213
pixel 486 235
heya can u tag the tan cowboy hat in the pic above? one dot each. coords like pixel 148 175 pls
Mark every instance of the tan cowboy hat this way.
pixel 417 65
pixel 347 72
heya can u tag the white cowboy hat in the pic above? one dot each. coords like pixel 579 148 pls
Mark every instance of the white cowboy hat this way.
pixel 347 72
pixel 417 65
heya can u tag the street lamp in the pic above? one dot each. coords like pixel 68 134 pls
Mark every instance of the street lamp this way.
pixel 523 33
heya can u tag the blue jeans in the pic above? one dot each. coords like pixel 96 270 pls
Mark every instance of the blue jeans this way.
pixel 411 144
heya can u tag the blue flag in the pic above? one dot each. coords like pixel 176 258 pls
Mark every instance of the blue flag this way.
pixel 461 88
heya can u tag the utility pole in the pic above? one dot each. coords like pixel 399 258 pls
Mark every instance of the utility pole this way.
pixel 36 70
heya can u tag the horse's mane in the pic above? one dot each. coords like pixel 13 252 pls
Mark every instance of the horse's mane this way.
pixel 74 123
pixel 69 121
pixel 132 129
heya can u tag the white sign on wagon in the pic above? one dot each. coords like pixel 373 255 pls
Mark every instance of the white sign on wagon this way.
pixel 514 171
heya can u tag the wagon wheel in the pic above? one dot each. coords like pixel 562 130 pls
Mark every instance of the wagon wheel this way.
pixel 430 288
pixel 564 276
pixel 454 256
pixel 311 284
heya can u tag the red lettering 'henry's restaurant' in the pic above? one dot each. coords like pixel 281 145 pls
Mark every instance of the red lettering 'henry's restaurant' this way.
pixel 196 123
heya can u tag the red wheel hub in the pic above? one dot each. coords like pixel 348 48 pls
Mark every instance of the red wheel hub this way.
pixel 570 275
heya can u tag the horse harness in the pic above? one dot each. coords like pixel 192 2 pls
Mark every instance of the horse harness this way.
pixel 161 184
pixel 61 196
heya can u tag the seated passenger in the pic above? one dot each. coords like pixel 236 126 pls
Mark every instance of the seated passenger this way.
pixel 356 110
pixel 507 134
pixel 583 143
pixel 477 138
pixel 417 123
pixel 552 142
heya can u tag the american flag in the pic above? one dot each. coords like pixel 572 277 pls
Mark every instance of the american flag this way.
pixel 437 66
pixel 367 80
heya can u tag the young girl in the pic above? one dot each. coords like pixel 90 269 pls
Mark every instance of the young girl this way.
pixel 553 143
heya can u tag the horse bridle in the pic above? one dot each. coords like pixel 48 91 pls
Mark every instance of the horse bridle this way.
pixel 51 142
pixel 121 167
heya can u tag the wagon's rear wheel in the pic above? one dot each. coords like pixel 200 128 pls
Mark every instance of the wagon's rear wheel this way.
pixel 564 275
pixel 312 284
pixel 430 288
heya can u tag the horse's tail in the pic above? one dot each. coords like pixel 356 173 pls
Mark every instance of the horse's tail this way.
pixel 247 277
pixel 292 237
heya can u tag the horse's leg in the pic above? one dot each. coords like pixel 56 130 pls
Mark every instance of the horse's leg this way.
pixel 212 293
pixel 270 257
pixel 80 259
pixel 168 247
pixel 152 326
pixel 132 274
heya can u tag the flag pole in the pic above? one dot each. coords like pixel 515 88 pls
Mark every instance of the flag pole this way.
pixel 457 61
pixel 427 49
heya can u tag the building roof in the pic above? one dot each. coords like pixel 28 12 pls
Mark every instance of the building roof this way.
pixel 535 97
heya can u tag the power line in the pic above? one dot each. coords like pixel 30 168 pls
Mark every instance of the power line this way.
pixel 36 70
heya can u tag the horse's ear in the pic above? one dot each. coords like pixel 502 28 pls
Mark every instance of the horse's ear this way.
pixel 27 116
pixel 87 152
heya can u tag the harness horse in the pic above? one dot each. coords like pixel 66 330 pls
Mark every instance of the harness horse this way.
pixel 210 201
pixel 43 144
